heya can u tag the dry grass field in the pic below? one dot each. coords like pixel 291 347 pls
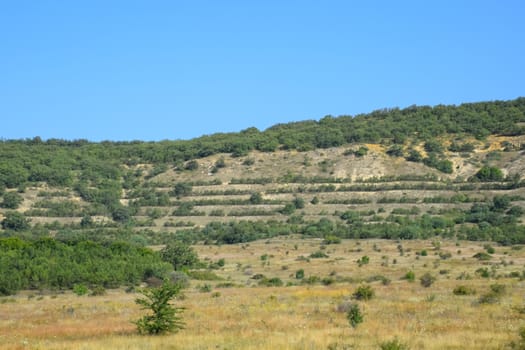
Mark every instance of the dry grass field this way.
pixel 237 313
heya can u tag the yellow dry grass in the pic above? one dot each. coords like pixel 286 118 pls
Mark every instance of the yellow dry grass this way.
pixel 299 316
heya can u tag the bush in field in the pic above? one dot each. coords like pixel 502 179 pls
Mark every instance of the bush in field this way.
pixel 271 282
pixel 394 344
pixel 299 274
pixel 331 239
pixel 482 256
pixel 80 289
pixel 97 291
pixel 318 254
pixel 464 290
pixel 410 276
pixel 164 317
pixel 363 261
pixel 427 280
pixel 364 292
pixel 490 249
pixel 354 315
pixel 494 295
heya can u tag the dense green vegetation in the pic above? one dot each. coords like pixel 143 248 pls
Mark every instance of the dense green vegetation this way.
pixel 50 264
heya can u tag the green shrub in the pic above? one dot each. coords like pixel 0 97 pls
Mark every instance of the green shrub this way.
pixel 482 256
pixel 498 289
pixel 311 280
pixel 318 254
pixel 203 275
pixel 483 272
pixel 363 260
pixel 463 290
pixel 271 282
pixel 328 280
pixel 97 291
pixel 394 344
pixel 15 221
pixel 256 198
pixel 331 239
pixel 354 315
pixel 490 249
pixel 488 173
pixel 364 292
pixel 205 288
pixel 410 276
pixel 299 274
pixel 80 289
pixel 11 200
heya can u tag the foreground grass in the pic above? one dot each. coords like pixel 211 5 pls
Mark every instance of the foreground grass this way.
pixel 247 316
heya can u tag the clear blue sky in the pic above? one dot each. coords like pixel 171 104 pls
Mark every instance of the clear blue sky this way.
pixel 154 70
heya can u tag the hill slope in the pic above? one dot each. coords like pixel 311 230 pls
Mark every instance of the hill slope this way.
pixel 412 173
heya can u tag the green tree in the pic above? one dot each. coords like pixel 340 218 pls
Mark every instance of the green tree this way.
pixel 414 156
pixel 500 203
pixel 121 214
pixel 182 189
pixel 256 198
pixel 298 202
pixel 179 254
pixel 86 222
pixel 488 173
pixel 364 292
pixel 164 317
pixel 299 274
pixel 354 315
pixel 15 221
pixel 12 200
pixel 395 151
pixel 192 165
pixel 433 146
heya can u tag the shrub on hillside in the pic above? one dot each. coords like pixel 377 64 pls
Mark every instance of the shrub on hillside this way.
pixel 427 280
pixel 364 292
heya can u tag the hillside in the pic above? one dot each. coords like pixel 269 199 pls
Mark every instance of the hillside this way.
pixel 455 171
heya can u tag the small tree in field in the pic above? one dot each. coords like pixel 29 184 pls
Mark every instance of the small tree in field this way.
pixel 179 254
pixel 164 317
pixel 354 315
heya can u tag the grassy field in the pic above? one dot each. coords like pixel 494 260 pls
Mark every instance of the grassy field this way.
pixel 236 313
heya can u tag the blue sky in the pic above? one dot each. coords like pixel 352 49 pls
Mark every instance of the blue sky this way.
pixel 154 70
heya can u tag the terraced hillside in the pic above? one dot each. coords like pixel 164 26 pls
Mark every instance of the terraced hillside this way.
pixel 351 191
